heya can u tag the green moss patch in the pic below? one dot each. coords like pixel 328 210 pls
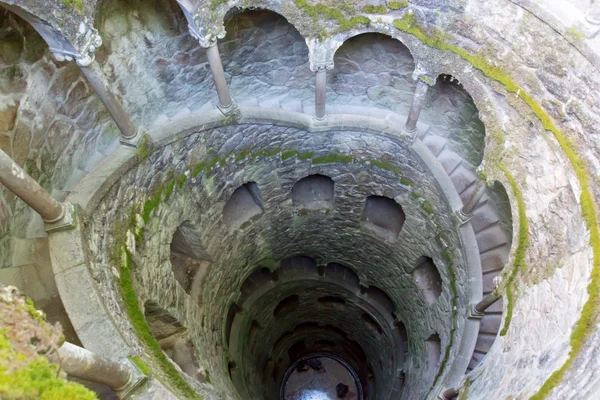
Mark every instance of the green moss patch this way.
pixel 320 10
pixel 396 5
pixel 142 330
pixel 332 158
pixel 584 326
pixel 518 263
pixel 372 9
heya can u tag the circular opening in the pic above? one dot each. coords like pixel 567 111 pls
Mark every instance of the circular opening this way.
pixel 321 376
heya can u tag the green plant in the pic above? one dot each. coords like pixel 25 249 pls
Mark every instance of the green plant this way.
pixel 332 158
pixel 396 5
pixel 372 9
pixel 143 148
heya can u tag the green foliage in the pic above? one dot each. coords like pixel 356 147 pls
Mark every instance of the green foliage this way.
pixel 320 10
pixel 76 4
pixel 372 9
pixel 518 263
pixel 306 156
pixel 288 154
pixel 386 165
pixel 143 148
pixel 25 336
pixel 181 180
pixel 142 330
pixel 198 168
pixel 590 311
pixel 396 5
pixel 150 205
pixel 332 158
pixel 141 364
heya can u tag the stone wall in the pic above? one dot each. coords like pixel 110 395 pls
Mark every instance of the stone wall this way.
pixel 281 231
pixel 53 126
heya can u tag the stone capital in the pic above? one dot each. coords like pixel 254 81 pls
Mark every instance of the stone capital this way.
pixel 320 53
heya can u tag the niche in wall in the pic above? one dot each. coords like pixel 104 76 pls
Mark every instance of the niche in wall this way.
pixel 383 216
pixel 189 260
pixel 173 339
pixel 434 352
pixel 243 206
pixel 334 302
pixel 287 305
pixel 428 280
pixel 315 192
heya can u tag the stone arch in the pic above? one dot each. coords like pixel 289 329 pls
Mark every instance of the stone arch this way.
pixel 170 70
pixel 371 70
pixel 452 115
pixel 173 339
pixel 272 73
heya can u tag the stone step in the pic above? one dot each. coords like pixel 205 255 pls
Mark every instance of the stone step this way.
pixel 491 239
pixel 483 218
pixel 435 144
pixel 462 178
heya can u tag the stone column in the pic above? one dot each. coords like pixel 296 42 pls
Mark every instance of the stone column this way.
pixel 320 93
pixel 486 302
pixel 216 67
pixel 80 363
pixel 94 75
pixel 27 189
pixel 416 106
pixel 466 212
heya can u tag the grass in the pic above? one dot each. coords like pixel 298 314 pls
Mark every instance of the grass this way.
pixel 584 326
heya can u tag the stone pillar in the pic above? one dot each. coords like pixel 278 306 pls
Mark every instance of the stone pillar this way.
pixel 94 75
pixel 27 189
pixel 320 93
pixel 416 106
pixel 80 363
pixel 486 302
pixel 216 67
pixel 466 211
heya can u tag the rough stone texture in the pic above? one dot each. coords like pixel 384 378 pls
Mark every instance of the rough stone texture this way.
pixel 281 231
pixel 559 69
pixel 53 125
pixel 266 61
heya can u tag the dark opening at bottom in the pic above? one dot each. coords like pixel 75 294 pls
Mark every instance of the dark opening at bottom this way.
pixel 321 376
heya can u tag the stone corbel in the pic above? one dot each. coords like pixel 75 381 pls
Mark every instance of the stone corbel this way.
pixel 206 32
pixel 320 53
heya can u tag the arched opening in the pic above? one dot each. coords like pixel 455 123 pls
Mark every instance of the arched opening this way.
pixel 169 72
pixel 383 216
pixel 428 279
pixel 266 61
pixel 433 350
pixel 315 192
pixel 372 71
pixel 189 260
pixel 173 339
pixel 243 206
pixel 453 121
